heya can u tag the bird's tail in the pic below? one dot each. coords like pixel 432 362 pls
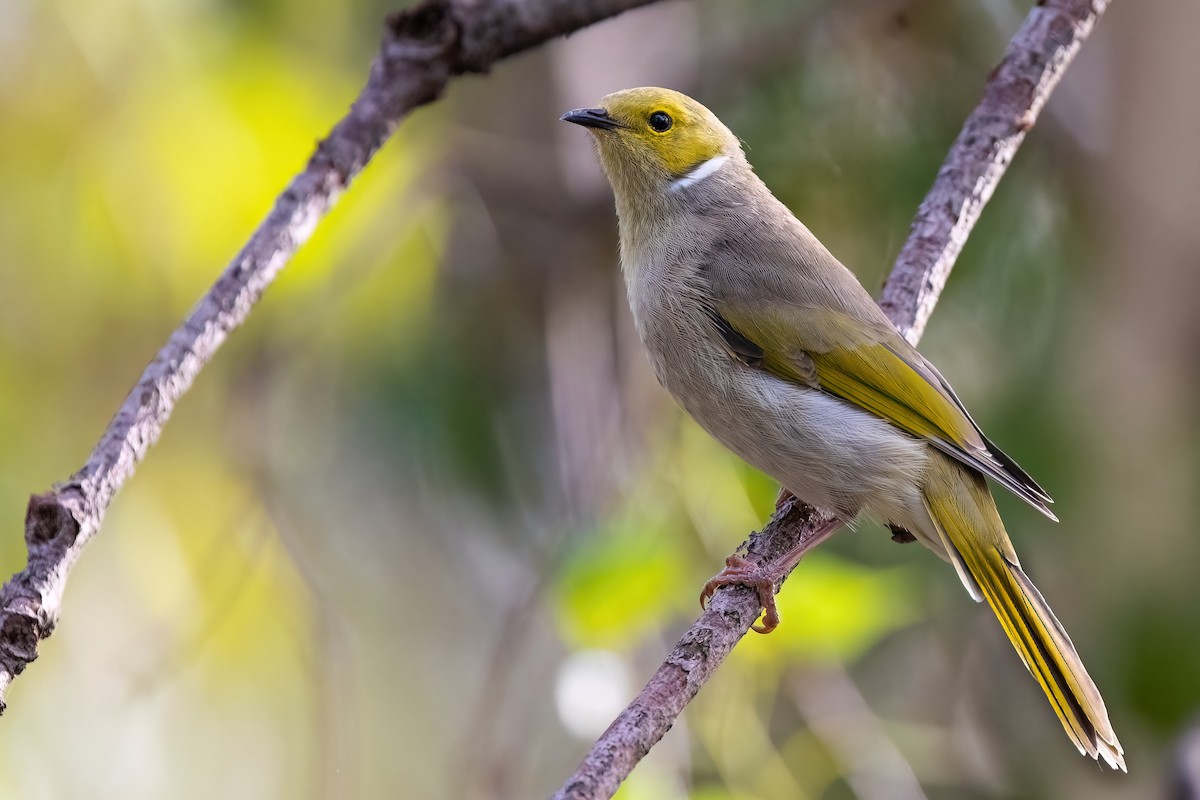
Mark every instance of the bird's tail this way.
pixel 969 526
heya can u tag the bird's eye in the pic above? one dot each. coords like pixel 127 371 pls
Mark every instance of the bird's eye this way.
pixel 660 121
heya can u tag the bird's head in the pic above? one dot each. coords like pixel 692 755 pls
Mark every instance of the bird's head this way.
pixel 654 142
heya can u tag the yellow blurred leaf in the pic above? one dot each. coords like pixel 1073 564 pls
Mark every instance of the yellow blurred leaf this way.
pixel 616 585
pixel 835 609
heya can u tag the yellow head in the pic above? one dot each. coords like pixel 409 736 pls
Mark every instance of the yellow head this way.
pixel 650 139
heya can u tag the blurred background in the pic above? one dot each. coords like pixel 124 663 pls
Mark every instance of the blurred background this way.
pixel 426 523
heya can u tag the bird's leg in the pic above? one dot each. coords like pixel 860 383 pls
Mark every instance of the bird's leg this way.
pixel 901 535
pixel 763 579
pixel 740 572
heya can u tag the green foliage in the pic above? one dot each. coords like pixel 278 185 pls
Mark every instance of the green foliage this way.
pixel 836 610
pixel 618 585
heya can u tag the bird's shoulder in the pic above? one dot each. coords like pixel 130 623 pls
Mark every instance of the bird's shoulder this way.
pixel 759 256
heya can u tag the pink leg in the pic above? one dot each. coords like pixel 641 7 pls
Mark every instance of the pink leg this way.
pixel 740 572
pixel 763 579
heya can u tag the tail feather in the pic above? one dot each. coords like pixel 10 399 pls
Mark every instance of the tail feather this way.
pixel 1084 693
pixel 965 516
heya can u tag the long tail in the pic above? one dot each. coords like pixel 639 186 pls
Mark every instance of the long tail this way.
pixel 964 513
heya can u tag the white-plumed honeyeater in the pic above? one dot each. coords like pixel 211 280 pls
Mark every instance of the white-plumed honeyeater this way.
pixel 776 350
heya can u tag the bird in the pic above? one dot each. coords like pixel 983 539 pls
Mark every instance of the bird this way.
pixel 774 347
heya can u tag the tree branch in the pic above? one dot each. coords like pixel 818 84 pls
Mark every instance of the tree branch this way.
pixel 422 49
pixel 1014 95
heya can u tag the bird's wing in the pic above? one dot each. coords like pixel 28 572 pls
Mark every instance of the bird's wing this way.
pixel 863 360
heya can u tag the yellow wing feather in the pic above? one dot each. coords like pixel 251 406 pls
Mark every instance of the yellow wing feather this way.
pixel 873 367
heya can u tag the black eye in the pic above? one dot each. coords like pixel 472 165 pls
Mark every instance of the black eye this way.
pixel 660 121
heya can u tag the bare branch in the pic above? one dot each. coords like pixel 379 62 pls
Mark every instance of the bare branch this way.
pixel 1014 96
pixel 1015 93
pixel 423 48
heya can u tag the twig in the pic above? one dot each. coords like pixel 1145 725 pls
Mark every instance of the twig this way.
pixel 422 49
pixel 1015 93
pixel 838 715
pixel 1184 775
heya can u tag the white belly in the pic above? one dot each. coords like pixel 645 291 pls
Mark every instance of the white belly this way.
pixel 824 450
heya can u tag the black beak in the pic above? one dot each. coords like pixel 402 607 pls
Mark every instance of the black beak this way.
pixel 591 118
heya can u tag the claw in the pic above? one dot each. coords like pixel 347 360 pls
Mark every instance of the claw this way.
pixel 762 579
pixel 740 572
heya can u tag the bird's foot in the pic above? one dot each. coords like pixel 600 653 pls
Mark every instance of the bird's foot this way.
pixel 740 572
pixel 783 498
